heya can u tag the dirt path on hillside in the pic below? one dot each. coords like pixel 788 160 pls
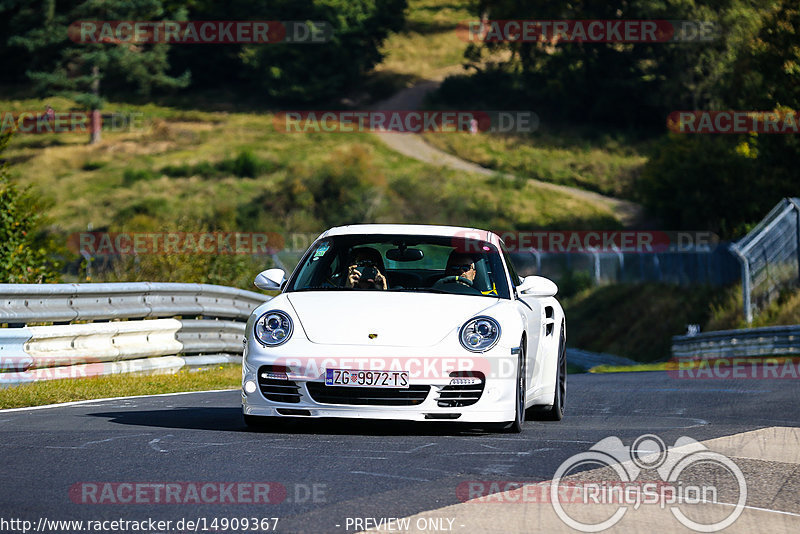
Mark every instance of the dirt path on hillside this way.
pixel 414 146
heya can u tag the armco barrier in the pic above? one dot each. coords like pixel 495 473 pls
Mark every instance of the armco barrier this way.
pixel 137 327
pixel 766 341
pixel 37 303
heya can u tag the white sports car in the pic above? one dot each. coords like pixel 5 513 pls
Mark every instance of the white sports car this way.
pixel 406 322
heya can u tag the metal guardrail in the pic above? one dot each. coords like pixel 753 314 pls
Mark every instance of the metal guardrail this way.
pixel 65 303
pixel 752 342
pixel 150 340
pixel 770 256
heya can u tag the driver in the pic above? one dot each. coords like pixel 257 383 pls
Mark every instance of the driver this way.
pixel 461 266
pixel 365 269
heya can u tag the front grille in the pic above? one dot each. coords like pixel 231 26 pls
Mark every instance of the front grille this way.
pixel 278 390
pixel 410 396
pixel 457 396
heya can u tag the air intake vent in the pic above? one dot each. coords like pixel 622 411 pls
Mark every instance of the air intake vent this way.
pixel 457 395
pixel 410 396
pixel 277 389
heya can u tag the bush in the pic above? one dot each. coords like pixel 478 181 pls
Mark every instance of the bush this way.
pixel 291 72
pixel 131 176
pixel 574 282
pixel 721 183
pixel 93 165
pixel 26 252
pixel 244 165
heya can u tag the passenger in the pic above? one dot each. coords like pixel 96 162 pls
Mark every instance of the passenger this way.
pixel 365 269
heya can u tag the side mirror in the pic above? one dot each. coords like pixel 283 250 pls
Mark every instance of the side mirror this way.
pixel 270 280
pixel 537 286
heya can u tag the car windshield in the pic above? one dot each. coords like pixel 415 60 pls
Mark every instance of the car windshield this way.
pixel 402 263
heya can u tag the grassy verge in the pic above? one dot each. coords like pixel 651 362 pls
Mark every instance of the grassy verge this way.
pixel 194 171
pixel 636 321
pixel 607 165
pixel 56 391
pixel 427 44
pixel 694 365
pixel 211 167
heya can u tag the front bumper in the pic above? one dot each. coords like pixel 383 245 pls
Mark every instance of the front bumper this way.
pixel 429 367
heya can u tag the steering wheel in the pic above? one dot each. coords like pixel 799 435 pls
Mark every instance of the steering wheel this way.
pixel 457 285
pixel 455 280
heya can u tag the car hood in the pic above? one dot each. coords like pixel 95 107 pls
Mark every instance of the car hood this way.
pixel 396 319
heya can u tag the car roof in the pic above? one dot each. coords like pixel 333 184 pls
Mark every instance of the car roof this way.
pixel 413 229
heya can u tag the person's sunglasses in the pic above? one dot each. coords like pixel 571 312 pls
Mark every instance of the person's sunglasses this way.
pixel 462 268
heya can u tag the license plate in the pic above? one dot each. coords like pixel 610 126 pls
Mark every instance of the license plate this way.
pixel 361 378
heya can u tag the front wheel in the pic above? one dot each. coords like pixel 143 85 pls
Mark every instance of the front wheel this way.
pixel 515 426
pixel 519 413
pixel 555 412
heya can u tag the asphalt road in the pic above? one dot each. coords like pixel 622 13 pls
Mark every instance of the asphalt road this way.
pixel 340 469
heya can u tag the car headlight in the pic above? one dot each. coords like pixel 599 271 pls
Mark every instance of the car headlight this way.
pixel 480 334
pixel 273 328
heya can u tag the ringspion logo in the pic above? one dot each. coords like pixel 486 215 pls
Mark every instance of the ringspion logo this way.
pixel 649 453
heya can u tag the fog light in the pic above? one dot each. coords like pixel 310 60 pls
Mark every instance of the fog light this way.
pixel 249 387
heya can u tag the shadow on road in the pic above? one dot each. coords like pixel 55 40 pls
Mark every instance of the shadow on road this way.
pixel 230 419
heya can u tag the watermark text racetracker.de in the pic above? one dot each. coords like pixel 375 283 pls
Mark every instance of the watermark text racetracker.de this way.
pixel 199 31
pixel 736 368
pixel 587 31
pixel 734 122
pixel 150 525
pixel 141 243
pixel 50 121
pixel 571 241
pixel 197 492
pixel 403 121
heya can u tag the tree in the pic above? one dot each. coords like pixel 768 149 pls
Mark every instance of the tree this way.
pixel 306 72
pixel 627 84
pixel 80 69
pixel 727 182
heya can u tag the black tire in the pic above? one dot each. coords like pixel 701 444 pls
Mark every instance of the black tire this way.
pixel 519 413
pixel 555 411
pixel 515 426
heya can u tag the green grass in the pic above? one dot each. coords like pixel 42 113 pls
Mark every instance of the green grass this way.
pixel 428 43
pixel 608 166
pixel 57 391
pixel 660 366
pixel 637 321
pixel 197 171
pixel 710 363
pixel 728 314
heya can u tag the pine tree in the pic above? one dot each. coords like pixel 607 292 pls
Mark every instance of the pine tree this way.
pixel 79 69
